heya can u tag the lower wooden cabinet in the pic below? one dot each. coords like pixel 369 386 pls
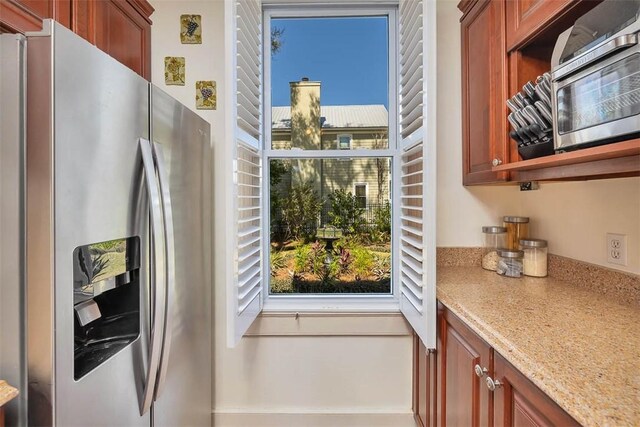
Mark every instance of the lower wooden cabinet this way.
pixel 452 384
pixel 517 402
pixel 121 28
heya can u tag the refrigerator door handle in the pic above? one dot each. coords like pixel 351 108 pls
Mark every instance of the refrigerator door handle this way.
pixel 157 275
pixel 165 194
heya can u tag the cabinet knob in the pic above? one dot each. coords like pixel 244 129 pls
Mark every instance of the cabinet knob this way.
pixel 493 384
pixel 480 371
pixel 496 162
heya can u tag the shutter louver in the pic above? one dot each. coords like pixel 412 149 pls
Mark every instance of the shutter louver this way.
pixel 249 66
pixel 246 294
pixel 411 66
pixel 416 207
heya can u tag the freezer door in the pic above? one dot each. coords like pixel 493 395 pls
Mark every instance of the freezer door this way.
pixel 90 295
pixel 183 395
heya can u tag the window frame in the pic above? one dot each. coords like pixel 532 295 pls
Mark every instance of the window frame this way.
pixel 332 302
pixel 342 135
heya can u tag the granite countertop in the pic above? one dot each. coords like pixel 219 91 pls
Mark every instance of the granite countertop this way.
pixel 579 347
pixel 6 393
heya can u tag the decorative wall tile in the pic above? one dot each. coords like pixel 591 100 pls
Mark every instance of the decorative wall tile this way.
pixel 191 29
pixel 174 70
pixel 206 95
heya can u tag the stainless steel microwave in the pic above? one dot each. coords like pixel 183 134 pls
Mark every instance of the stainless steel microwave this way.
pixel 596 77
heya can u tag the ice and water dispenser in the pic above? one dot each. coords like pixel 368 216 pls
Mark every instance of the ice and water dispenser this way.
pixel 106 293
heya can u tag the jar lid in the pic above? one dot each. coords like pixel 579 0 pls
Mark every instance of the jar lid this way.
pixel 494 229
pixel 508 253
pixel 519 219
pixel 533 243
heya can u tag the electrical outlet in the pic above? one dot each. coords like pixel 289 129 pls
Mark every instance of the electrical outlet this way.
pixel 617 248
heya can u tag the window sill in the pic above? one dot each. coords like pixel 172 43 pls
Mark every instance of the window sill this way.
pixel 331 304
pixel 335 324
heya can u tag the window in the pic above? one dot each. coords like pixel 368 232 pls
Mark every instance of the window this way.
pixel 360 191
pixel 345 121
pixel 326 236
pixel 344 142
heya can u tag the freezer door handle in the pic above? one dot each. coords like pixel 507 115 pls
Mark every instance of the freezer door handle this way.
pixel 165 194
pixel 157 273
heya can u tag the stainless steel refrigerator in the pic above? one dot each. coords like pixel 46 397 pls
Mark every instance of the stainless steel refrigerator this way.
pixel 105 292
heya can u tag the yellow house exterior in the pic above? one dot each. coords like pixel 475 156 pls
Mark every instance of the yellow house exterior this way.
pixel 308 125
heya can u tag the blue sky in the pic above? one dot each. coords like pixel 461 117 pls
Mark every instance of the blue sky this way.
pixel 348 55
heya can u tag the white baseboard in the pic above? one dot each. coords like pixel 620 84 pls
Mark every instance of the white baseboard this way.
pixel 232 419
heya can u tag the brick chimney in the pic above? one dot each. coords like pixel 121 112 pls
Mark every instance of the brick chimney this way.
pixel 305 114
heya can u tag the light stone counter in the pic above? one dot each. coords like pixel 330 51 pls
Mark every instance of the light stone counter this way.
pixel 578 346
pixel 6 393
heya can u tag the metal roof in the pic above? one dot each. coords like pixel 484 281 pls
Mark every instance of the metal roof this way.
pixel 337 116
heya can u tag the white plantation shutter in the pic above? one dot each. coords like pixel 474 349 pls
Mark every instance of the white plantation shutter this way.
pixel 245 296
pixel 416 203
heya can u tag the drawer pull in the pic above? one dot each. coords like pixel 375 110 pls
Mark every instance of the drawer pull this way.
pixel 493 384
pixel 480 371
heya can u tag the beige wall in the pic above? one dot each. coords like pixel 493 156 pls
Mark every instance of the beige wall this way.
pixel 573 216
pixel 359 374
pixel 312 379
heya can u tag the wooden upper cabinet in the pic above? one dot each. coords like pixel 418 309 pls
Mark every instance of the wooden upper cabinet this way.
pixel 465 399
pixel 121 28
pixel 484 82
pixel 20 16
pixel 518 402
pixel 526 17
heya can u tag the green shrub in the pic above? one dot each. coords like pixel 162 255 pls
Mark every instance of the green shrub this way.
pixel 382 268
pixel 277 260
pixel 316 259
pixel 363 261
pixel 300 212
pixel 301 259
pixel 382 218
pixel 345 213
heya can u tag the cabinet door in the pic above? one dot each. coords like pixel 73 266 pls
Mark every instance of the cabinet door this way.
pixel 124 32
pixel 518 402
pixel 424 384
pixel 484 91
pixel 464 399
pixel 525 17
pixel 20 16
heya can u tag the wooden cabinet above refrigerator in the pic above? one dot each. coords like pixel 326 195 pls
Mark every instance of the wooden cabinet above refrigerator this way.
pixel 121 28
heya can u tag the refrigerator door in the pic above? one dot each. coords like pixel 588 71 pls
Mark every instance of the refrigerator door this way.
pixel 12 243
pixel 183 395
pixel 94 298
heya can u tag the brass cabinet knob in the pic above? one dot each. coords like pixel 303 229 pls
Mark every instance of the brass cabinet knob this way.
pixel 480 371
pixel 496 162
pixel 493 384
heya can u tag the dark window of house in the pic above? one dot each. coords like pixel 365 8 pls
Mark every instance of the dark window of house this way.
pixel 344 142
pixel 361 195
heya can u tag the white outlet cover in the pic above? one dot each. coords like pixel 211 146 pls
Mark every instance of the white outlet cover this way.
pixel 617 248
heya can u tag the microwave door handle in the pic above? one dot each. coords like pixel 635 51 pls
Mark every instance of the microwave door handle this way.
pixel 165 194
pixel 157 275
pixel 589 57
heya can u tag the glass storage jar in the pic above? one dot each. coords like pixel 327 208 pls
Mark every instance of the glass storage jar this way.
pixel 509 263
pixel 517 228
pixel 494 238
pixel 535 257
